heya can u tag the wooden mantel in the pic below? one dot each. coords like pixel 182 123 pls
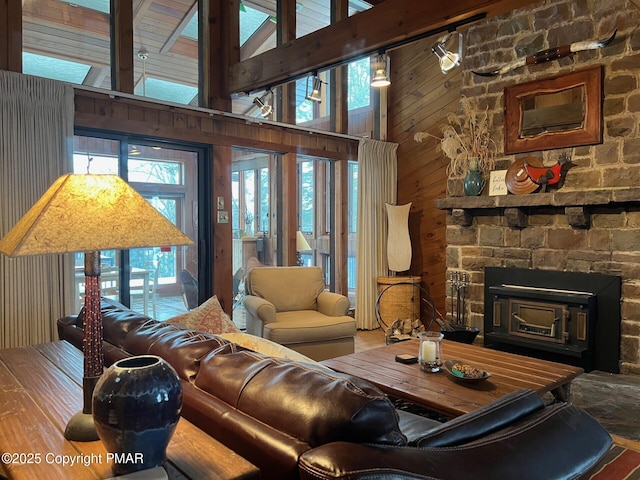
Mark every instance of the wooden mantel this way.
pixel 576 205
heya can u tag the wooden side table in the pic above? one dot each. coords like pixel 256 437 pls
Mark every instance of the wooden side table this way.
pixel 401 298
pixel 40 390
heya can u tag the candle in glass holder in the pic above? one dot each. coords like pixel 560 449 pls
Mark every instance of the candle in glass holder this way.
pixel 430 353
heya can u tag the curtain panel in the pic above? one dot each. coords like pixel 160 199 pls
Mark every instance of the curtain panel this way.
pixel 36 145
pixel 377 186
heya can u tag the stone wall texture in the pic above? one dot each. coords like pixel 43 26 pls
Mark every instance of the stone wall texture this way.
pixel 611 242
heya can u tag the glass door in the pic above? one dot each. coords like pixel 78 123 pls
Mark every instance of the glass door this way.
pixel 253 217
pixel 148 280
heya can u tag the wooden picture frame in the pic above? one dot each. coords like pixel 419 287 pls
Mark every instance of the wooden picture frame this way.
pixel 556 112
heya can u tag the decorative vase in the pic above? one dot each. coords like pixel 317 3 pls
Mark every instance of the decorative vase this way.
pixel 473 181
pixel 136 407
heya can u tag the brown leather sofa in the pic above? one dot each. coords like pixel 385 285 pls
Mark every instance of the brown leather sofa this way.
pixel 302 420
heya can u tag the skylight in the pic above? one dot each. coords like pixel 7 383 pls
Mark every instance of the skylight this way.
pixel 250 21
pixel 98 5
pixel 55 68
pixel 191 29
pixel 169 91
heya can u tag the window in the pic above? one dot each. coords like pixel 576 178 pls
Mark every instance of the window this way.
pixel 68 41
pixel 146 279
pixel 353 224
pixel 359 80
pixel 307 200
pixel 253 217
pixel 166 53
pixel 251 20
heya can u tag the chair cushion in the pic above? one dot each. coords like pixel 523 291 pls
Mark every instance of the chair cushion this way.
pixel 308 326
pixel 208 317
pixel 288 288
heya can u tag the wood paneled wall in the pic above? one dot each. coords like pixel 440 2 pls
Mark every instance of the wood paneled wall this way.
pixel 420 97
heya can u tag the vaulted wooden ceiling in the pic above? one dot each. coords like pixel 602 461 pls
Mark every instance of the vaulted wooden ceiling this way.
pixel 60 29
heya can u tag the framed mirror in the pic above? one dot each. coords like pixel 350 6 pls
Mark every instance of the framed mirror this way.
pixel 557 112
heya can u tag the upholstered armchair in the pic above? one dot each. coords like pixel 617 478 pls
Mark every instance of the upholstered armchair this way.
pixel 289 306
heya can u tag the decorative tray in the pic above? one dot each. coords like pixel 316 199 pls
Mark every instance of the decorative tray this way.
pixel 464 372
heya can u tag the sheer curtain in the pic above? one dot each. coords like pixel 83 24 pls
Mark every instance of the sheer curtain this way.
pixel 36 145
pixel 377 179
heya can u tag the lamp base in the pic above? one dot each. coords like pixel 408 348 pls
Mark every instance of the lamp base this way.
pixel 81 428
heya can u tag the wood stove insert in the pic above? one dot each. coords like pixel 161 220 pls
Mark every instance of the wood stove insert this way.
pixel 569 317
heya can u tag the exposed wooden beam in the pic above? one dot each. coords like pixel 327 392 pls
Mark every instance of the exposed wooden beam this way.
pixel 220 48
pixel 140 11
pixel 11 35
pixel 180 28
pixel 387 24
pixel 257 39
pixel 122 46
pixel 95 76
pixel 339 186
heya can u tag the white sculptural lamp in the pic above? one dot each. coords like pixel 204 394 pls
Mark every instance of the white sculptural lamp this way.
pixel 398 240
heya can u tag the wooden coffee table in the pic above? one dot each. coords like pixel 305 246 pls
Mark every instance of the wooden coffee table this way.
pixel 438 392
pixel 40 391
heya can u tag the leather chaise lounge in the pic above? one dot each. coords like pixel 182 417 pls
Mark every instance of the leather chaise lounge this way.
pixel 301 420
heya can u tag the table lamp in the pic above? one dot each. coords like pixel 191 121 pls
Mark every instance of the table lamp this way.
pixel 301 246
pixel 88 213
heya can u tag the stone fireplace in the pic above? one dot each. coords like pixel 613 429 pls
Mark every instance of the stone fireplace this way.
pixel 543 233
pixel 592 224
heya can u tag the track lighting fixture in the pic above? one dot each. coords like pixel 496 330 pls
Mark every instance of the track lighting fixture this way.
pixel 444 50
pixel 314 89
pixel 381 68
pixel 265 108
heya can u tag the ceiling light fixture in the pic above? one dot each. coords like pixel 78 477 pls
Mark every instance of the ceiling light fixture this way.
pixel 314 88
pixel 448 58
pixel 143 54
pixel 381 68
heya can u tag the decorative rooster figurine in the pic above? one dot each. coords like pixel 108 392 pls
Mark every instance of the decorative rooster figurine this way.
pixel 553 175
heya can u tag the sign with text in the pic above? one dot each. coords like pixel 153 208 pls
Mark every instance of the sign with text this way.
pixel 497 185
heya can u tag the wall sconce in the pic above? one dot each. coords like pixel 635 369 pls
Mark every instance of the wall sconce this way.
pixel 446 56
pixel 381 68
pixel 265 108
pixel 314 90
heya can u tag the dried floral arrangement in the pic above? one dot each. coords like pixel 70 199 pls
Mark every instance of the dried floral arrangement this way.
pixel 467 136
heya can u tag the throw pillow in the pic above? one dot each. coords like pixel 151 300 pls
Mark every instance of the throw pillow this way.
pixel 267 347
pixel 208 317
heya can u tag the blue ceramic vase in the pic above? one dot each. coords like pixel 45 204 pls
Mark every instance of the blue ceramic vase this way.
pixel 473 181
pixel 136 407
